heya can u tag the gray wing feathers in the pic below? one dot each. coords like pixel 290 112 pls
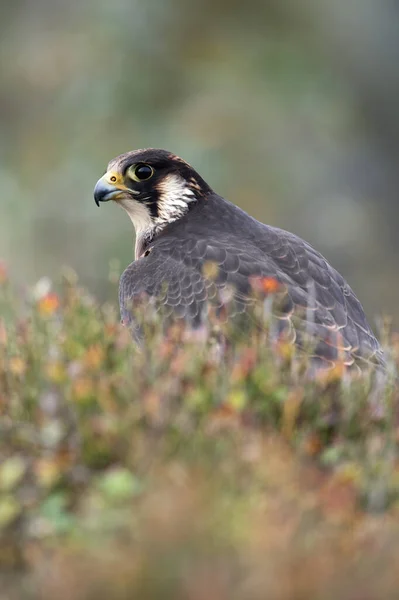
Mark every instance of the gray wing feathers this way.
pixel 318 298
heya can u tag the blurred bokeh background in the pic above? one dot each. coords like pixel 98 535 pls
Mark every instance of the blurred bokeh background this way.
pixel 289 109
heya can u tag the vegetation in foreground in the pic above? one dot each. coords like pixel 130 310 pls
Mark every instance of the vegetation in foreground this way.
pixel 170 472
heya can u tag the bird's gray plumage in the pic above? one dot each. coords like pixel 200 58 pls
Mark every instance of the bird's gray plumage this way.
pixel 172 268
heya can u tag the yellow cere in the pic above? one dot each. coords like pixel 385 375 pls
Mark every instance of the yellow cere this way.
pixel 115 179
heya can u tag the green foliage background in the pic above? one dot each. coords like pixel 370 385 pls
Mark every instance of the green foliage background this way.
pixel 287 108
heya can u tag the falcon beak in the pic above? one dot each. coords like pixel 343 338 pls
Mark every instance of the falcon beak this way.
pixel 105 191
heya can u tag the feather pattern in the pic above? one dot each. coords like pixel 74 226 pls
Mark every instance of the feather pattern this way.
pixel 317 302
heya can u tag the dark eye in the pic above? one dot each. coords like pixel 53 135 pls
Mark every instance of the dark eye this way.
pixel 140 172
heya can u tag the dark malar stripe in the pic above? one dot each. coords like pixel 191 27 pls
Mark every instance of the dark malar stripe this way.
pixel 153 208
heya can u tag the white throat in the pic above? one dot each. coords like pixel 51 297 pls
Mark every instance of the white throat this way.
pixel 173 200
pixel 139 215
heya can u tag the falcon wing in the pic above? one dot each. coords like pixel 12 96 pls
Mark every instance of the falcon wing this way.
pixel 334 314
pixel 171 283
pixel 317 302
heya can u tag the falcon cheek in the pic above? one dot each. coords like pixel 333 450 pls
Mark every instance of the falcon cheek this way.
pixel 174 197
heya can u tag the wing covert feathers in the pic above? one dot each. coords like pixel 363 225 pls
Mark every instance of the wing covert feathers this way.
pixel 217 251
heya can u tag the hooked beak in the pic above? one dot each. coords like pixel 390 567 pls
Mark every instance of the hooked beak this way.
pixel 105 191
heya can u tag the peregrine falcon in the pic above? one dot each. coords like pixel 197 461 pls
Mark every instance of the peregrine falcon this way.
pixel 182 226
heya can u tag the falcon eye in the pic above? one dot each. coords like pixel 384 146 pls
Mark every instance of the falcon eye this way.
pixel 140 172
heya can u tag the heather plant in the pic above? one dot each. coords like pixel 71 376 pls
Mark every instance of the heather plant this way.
pixel 186 467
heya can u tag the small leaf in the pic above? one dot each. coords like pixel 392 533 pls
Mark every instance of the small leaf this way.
pixel 119 484
pixel 11 472
pixel 9 510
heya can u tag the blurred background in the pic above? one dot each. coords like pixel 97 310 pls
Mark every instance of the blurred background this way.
pixel 289 109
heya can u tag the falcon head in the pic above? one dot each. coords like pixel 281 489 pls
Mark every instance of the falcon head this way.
pixel 155 187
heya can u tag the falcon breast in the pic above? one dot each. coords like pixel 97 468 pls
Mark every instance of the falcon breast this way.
pixel 182 226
